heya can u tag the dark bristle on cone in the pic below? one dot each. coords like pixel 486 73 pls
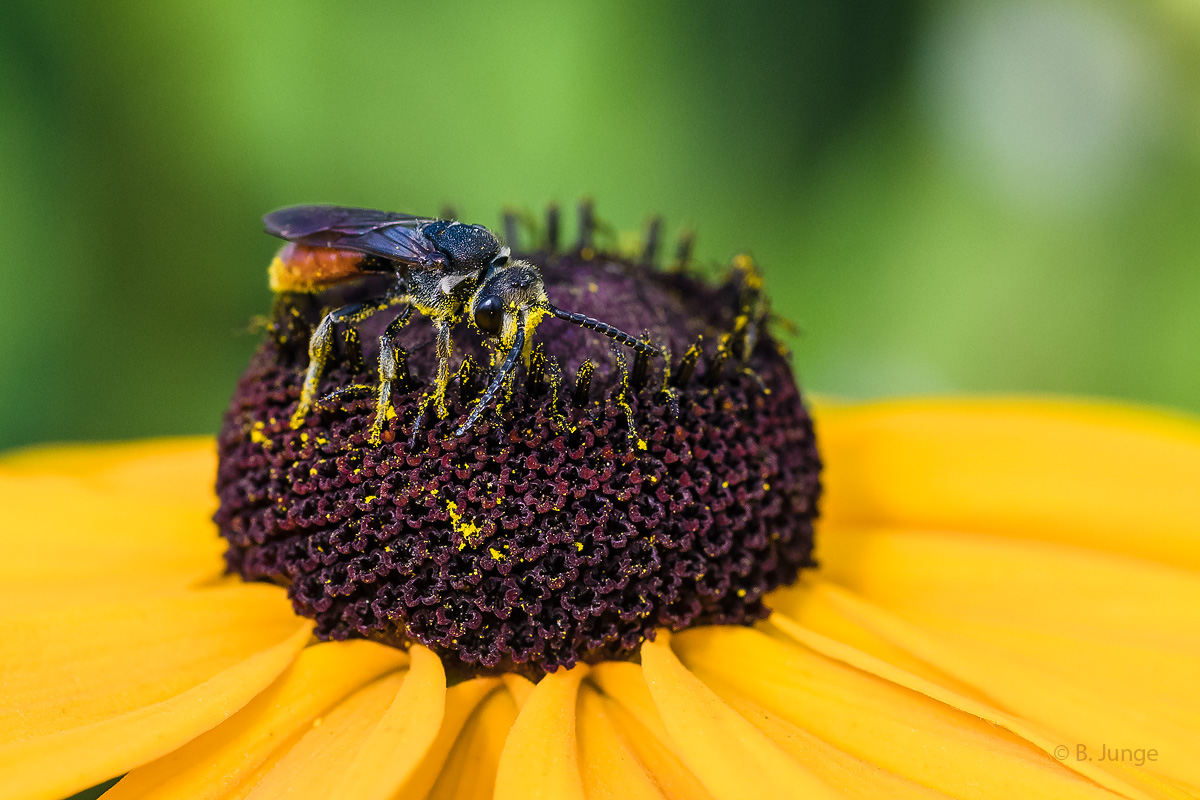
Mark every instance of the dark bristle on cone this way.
pixel 579 515
pixel 552 227
pixel 587 225
pixel 511 236
pixel 650 243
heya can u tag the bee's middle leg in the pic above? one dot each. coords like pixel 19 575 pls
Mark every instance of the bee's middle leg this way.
pixel 442 329
pixel 387 374
pixel 438 396
pixel 320 345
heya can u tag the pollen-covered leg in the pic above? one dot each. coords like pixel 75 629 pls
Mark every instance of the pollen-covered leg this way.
pixel 437 398
pixel 442 328
pixel 319 347
pixel 502 377
pixel 321 344
pixel 388 372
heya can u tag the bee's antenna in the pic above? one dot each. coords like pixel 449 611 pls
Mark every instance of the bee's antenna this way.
pixel 593 324
pixel 510 228
pixel 587 224
pixel 552 227
pixel 653 232
pixel 449 212
pixel 506 369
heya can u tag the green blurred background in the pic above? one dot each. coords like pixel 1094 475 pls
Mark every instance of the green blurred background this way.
pixel 956 197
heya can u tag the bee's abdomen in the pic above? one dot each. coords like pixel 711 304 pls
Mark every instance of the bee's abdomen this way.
pixel 301 268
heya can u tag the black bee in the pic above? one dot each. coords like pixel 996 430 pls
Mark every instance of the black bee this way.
pixel 442 268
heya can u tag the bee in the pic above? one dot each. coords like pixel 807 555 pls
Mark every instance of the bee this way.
pixel 442 268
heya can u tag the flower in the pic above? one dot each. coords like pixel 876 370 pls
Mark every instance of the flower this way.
pixel 598 503
pixel 1008 605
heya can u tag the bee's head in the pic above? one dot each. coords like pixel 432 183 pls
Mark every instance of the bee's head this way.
pixel 508 293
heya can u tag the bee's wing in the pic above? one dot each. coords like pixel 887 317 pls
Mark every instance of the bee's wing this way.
pixel 387 234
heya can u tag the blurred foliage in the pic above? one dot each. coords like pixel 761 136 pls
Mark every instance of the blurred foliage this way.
pixel 943 198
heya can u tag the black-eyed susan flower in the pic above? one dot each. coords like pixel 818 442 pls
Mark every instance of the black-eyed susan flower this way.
pixel 604 498
pixel 1007 602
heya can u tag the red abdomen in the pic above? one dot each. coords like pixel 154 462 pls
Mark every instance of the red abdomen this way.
pixel 300 268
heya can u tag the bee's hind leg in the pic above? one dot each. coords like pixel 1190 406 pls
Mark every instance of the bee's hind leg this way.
pixel 320 345
pixel 388 364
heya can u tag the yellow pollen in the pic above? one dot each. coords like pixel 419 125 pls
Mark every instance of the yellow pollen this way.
pixel 256 434
pixel 468 530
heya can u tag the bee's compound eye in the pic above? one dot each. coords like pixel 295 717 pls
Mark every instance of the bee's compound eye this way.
pixel 489 314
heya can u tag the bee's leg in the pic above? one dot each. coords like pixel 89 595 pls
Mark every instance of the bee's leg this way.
pixel 321 344
pixel 354 391
pixel 442 329
pixel 437 398
pixel 387 374
pixel 503 375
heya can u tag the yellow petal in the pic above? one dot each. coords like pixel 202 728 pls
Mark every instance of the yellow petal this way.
pixel 540 758
pixel 1036 585
pixel 142 677
pixel 1101 476
pixel 609 767
pixel 730 756
pixel 177 470
pixel 809 608
pixel 624 682
pixel 629 704
pixel 1117 778
pixel 519 686
pixel 470 770
pixel 462 701
pixel 1105 702
pixel 66 542
pixel 399 742
pixel 315 764
pixel 908 734
pixel 852 776
pixel 212 765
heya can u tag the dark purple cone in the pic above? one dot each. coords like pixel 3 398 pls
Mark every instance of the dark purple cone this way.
pixel 552 532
